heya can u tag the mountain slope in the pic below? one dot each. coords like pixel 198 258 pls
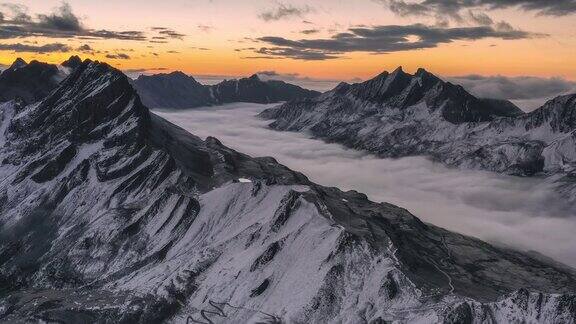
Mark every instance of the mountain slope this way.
pixel 398 114
pixel 111 214
pixel 178 90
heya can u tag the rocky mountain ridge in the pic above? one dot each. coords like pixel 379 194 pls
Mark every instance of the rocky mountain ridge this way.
pixel 178 90
pixel 110 214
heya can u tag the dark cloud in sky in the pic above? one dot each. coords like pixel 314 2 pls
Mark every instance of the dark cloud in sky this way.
pixel 63 23
pixel 382 39
pixel 47 48
pixel 85 48
pixel 118 56
pixel 62 19
pixel 171 34
pixel 480 18
pixel 284 11
pixel 292 52
pixel 454 8
pixel 310 31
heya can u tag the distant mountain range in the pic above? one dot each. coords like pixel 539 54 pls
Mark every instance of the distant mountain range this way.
pixel 397 114
pixel 29 81
pixel 178 90
pixel 110 214
pixel 174 90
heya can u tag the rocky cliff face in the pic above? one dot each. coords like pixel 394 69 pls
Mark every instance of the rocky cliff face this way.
pixel 398 114
pixel 110 214
pixel 178 90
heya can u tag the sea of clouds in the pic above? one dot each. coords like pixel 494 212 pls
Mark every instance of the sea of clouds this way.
pixel 523 213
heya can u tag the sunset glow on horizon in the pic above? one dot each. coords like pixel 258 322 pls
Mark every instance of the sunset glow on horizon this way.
pixel 330 40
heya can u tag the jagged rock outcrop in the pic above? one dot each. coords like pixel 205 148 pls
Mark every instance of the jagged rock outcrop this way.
pixel 110 214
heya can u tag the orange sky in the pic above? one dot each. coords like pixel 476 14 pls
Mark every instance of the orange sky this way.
pixel 221 26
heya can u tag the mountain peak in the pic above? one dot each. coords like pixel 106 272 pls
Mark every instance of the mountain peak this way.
pixel 179 74
pixel 254 77
pixel 398 70
pixel 422 72
pixel 18 63
pixel 73 62
pixel 85 104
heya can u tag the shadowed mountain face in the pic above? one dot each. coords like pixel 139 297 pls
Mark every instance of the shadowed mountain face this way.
pixel 110 214
pixel 173 90
pixel 178 90
pixel 73 62
pixel 397 114
pixel 28 81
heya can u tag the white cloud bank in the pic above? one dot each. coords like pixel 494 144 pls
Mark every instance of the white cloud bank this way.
pixel 519 212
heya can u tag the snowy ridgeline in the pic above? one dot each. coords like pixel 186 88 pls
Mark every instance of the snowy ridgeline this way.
pixel 112 214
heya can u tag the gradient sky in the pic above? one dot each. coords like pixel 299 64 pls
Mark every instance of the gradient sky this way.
pixel 329 39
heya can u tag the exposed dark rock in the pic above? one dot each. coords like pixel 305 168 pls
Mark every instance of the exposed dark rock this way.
pixel 30 82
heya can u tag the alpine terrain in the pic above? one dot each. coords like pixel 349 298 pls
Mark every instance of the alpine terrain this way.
pixel 397 114
pixel 110 214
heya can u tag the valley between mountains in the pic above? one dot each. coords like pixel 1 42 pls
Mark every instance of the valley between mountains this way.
pixel 111 214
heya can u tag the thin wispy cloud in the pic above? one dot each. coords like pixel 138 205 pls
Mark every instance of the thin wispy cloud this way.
pixel 527 92
pixel 456 8
pixel 310 31
pixel 170 33
pixel 47 48
pixel 205 28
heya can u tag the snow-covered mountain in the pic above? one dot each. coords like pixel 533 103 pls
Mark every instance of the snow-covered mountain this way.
pixel 111 214
pixel 178 90
pixel 399 114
